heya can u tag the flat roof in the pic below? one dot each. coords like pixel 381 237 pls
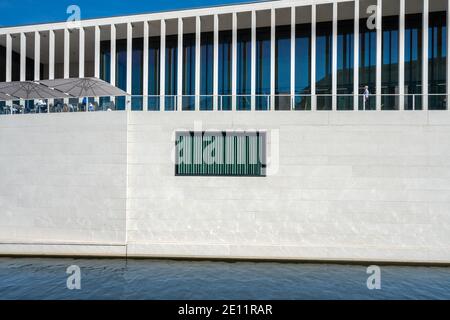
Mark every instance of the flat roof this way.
pixel 143 13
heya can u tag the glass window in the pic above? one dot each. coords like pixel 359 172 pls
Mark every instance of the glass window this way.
pixel 121 71
pixel 153 73
pixel 283 67
pixel 345 64
pixel 207 71
pixel 189 72
pixel 137 74
pixel 171 72
pixel 389 73
pixel 244 69
pixel 367 64
pixel 324 65
pixel 262 68
pixel 225 57
pixel 303 67
pixel 437 50
pixel 413 61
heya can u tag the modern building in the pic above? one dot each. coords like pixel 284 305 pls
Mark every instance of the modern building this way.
pixel 257 56
pixel 248 134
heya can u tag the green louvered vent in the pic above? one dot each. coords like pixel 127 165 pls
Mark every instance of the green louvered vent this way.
pixel 221 154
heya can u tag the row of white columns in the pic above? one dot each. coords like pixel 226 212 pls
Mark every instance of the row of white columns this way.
pixel 129 33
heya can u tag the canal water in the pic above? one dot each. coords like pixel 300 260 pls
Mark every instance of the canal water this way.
pixel 38 279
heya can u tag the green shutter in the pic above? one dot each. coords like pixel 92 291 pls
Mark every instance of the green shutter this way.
pixel 220 154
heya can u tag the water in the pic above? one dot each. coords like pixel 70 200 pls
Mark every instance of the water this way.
pixel 38 279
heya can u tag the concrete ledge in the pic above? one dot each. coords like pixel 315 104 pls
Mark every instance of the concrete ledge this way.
pixel 63 250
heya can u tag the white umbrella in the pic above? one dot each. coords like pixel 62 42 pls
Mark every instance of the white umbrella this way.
pixel 84 87
pixel 29 90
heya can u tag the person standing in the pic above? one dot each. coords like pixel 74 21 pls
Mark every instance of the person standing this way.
pixel 366 96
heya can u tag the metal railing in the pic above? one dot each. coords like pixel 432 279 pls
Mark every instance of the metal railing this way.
pixel 263 102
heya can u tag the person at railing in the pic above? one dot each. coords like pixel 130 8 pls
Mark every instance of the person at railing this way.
pixel 65 108
pixel 366 96
pixel 91 107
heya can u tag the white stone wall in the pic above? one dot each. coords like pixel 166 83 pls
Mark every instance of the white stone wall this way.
pixel 372 186
pixel 62 183
pixel 350 186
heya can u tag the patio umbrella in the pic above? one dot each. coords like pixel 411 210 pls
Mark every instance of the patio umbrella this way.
pixel 29 90
pixel 84 87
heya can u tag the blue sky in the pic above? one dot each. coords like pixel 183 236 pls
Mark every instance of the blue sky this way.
pixel 18 12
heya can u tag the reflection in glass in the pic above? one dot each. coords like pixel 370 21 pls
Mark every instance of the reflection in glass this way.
pixel 367 64
pixel 153 73
pixel 171 72
pixel 189 72
pixel 437 53
pixel 283 67
pixel 345 64
pixel 303 67
pixel 243 88
pixel 207 71
pixel 262 68
pixel 413 61
pixel 225 57
pixel 324 65
pixel 389 73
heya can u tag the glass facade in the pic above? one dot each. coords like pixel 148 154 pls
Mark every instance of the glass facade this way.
pixel 389 73
pixel 303 67
pixel 345 64
pixel 244 54
pixel 324 55
pixel 154 65
pixel 262 68
pixel 189 72
pixel 390 50
pixel 283 68
pixel 413 61
pixel 437 55
pixel 207 71
pixel 225 57
pixel 171 72
pixel 367 64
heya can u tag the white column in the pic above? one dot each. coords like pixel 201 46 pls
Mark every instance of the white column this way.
pixel 198 33
pixel 8 58
pixel 129 65
pixel 425 54
pixel 401 57
pixel 145 66
pixel 272 58
pixel 334 57
pixel 180 65
pixel 51 55
pixel 8 64
pixel 81 55
pixel 216 63
pixel 356 59
pixel 113 57
pixel 234 62
pixel 379 53
pixel 448 57
pixel 51 61
pixel 66 54
pixel 37 56
pixel 293 50
pixel 23 56
pixel 162 72
pixel 253 63
pixel 97 38
pixel 313 57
